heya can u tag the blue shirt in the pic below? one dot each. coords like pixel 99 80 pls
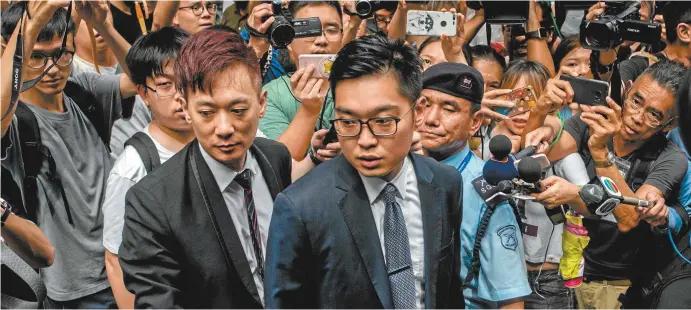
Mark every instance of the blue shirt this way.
pixel 276 70
pixel 503 273
pixel 685 190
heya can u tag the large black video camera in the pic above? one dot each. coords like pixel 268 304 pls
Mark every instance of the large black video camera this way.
pixel 502 12
pixel 286 28
pixel 621 22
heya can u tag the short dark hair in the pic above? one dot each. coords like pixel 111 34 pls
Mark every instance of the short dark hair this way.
pixel 669 74
pixel 295 6
pixel 152 52
pixel 486 52
pixel 675 13
pixel 371 55
pixel 56 25
pixel 207 54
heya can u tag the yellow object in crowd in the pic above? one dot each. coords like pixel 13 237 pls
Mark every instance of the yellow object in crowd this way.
pixel 574 240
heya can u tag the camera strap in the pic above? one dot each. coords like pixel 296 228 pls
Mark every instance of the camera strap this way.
pixel 26 85
pixel 254 32
pixel 17 62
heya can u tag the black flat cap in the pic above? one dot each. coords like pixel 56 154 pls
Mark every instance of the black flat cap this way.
pixel 455 79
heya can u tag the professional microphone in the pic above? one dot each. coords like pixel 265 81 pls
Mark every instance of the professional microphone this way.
pixel 501 166
pixel 601 195
pixel 528 151
pixel 530 171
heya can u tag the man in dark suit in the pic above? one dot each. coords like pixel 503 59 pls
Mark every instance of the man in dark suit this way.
pixel 196 227
pixel 379 226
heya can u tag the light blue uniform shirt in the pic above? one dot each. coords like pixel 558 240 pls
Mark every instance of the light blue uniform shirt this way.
pixel 685 190
pixel 502 273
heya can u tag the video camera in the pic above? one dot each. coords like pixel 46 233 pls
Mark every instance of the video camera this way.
pixel 285 28
pixel 621 22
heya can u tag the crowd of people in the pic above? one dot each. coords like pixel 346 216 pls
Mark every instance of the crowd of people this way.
pixel 170 154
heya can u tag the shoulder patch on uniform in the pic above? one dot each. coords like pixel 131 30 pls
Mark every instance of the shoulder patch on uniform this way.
pixel 508 237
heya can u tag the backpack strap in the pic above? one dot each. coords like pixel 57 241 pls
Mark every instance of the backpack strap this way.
pixel 146 149
pixel 33 153
pixel 28 275
pixel 87 102
pixel 640 168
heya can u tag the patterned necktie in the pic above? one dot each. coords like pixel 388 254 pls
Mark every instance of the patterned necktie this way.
pixel 245 180
pixel 398 261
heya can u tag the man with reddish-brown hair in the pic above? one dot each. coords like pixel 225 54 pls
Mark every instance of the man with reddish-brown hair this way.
pixel 196 228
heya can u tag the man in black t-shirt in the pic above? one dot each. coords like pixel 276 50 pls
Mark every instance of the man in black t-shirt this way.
pixel 628 145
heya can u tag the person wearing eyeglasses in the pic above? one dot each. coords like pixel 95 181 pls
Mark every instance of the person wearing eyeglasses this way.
pixel 379 226
pixel 300 104
pixel 194 16
pixel 626 143
pixel 68 193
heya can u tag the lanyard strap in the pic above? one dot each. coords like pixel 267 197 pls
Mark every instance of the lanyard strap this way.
pixel 17 61
pixel 465 161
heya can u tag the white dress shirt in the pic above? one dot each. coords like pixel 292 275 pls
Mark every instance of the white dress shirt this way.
pixel 234 196
pixel 406 184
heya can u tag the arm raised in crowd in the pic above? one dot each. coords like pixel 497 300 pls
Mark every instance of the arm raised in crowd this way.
pixel 351 28
pixel 95 13
pixel 398 21
pixel 41 12
pixel 538 51
pixel 164 14
pixel 453 45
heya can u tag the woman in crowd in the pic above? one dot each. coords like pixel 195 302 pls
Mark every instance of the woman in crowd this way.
pixel 572 59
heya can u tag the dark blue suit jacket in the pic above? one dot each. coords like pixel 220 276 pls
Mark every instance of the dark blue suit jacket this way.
pixel 324 251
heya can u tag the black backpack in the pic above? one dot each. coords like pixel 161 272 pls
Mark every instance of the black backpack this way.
pixel 33 152
pixel 146 149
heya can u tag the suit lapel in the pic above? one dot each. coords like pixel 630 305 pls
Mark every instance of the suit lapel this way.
pixel 358 216
pixel 223 223
pixel 430 202
pixel 268 171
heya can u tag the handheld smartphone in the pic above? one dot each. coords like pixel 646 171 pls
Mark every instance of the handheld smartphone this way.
pixel 587 91
pixel 523 98
pixel 322 64
pixel 330 136
pixel 430 23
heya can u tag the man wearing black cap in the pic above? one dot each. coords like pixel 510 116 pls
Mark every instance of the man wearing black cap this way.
pixel 447 116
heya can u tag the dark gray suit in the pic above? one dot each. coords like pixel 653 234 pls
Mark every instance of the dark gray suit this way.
pixel 179 246
pixel 323 249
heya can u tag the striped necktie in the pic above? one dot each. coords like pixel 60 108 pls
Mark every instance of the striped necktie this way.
pixel 245 181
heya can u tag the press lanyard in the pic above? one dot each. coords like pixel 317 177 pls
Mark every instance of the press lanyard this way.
pixel 17 61
pixel 465 161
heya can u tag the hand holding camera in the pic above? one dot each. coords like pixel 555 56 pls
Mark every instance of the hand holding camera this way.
pixel 453 45
pixel 557 93
pixel 92 12
pixel 490 102
pixel 322 148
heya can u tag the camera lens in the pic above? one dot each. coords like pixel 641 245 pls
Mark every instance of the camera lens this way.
pixel 281 32
pixel 598 95
pixel 363 8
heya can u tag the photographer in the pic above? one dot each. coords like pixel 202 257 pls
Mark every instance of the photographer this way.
pixel 72 179
pixel 300 103
pixel 626 144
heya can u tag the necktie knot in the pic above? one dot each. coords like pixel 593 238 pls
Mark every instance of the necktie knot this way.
pixel 389 194
pixel 244 178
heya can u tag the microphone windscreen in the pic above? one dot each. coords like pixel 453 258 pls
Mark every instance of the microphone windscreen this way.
pixel 500 147
pixel 529 170
pixel 495 171
pixel 592 194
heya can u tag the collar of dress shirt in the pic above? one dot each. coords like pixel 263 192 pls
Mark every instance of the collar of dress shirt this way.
pixel 374 185
pixel 222 173
pixel 455 159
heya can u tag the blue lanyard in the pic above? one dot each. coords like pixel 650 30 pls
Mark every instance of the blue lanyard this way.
pixel 465 161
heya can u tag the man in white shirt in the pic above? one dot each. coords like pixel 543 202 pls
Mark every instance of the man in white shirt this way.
pixel 377 227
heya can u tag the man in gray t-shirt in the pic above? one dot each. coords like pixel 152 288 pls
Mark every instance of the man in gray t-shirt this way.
pixel 68 212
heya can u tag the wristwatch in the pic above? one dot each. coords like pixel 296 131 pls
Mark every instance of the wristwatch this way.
pixel 536 34
pixel 5 209
pixel 606 163
pixel 316 161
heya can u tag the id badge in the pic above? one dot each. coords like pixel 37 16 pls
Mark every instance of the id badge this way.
pixel 623 166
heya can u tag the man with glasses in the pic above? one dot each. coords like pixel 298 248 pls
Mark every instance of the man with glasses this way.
pixel 628 145
pixel 379 226
pixel 152 59
pixel 71 183
pixel 300 104
pixel 194 16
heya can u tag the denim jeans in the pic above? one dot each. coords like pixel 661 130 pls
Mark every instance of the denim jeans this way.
pixel 101 300
pixel 549 291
